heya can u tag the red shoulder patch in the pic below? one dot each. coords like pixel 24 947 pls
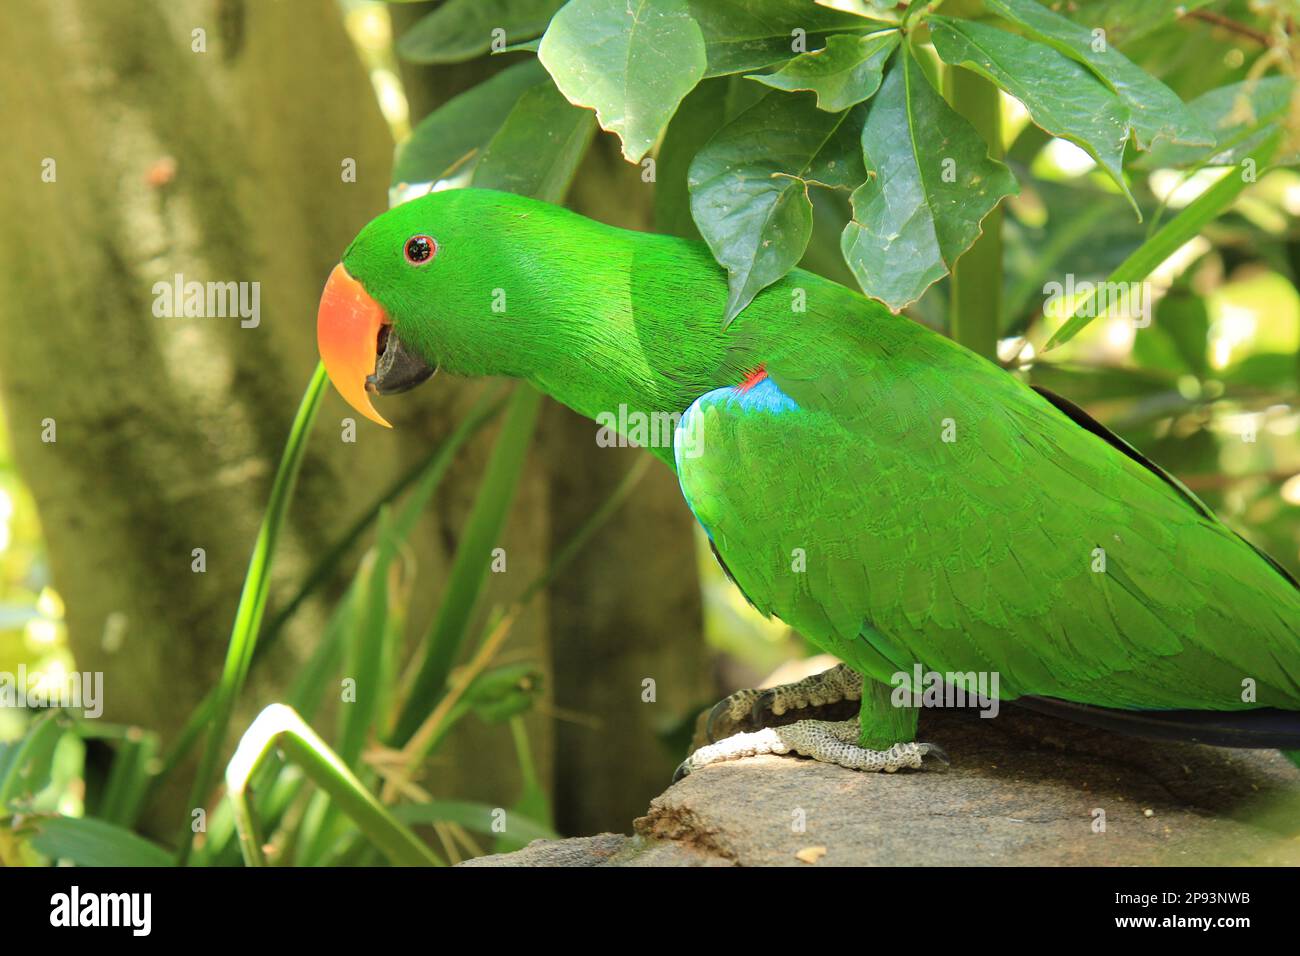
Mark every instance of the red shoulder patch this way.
pixel 751 379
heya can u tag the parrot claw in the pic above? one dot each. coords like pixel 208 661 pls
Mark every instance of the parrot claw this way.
pixel 732 711
pixel 752 710
pixel 828 741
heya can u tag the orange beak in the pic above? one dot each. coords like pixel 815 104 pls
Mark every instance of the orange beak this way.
pixel 347 333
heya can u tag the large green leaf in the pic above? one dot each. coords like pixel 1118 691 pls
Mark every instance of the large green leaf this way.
pixel 632 61
pixel 463 29
pixel 88 842
pixel 930 182
pixel 452 137
pixel 741 35
pixel 1241 116
pixel 1061 94
pixel 843 74
pixel 1155 111
pixel 538 148
pixel 749 187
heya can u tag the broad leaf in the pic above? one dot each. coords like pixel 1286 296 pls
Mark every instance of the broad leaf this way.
pixel 843 74
pixel 1061 94
pixel 742 35
pixel 632 61
pixel 451 138
pixel 1155 110
pixel 711 105
pixel 538 148
pixel 930 183
pixel 1241 116
pixel 463 29
pixel 749 187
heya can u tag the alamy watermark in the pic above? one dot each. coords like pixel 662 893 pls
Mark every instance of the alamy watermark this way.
pixel 639 429
pixel 180 299
pixel 83 691
pixel 1093 299
pixel 921 688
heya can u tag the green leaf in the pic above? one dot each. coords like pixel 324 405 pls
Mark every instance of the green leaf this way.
pixel 88 842
pixel 452 137
pixel 930 183
pixel 1177 338
pixel 501 693
pixel 537 150
pixel 463 29
pixel 1240 116
pixel 1061 95
pixel 1155 111
pixel 749 187
pixel 280 728
pixel 632 61
pixel 843 74
pixel 743 35
pixel 26 764
pixel 1188 223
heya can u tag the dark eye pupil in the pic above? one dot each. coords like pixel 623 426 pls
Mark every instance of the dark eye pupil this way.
pixel 419 249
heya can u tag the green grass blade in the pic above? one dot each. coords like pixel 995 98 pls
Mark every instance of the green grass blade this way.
pixel 478 817
pixel 1186 225
pixel 252 601
pixel 88 842
pixel 280 728
pixel 129 778
pixel 431 469
pixel 470 567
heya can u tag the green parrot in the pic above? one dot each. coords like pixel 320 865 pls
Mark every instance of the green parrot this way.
pixel 907 505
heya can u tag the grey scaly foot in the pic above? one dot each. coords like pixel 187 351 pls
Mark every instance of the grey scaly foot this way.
pixel 828 741
pixel 750 710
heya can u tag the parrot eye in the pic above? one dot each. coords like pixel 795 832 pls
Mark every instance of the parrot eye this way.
pixel 420 249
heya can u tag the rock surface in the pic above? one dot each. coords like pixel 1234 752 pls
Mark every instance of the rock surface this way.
pixel 1024 789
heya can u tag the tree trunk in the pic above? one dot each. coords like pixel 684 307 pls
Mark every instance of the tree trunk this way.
pixel 223 165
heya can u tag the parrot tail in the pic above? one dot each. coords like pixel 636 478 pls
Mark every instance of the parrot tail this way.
pixel 1264 728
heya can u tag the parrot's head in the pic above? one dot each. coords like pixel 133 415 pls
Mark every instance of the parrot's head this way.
pixel 422 287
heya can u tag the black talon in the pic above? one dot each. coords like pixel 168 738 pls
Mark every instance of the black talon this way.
pixel 682 769
pixel 939 754
pixel 718 710
pixel 762 708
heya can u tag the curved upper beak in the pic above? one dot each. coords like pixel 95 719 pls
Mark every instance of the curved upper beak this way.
pixel 362 354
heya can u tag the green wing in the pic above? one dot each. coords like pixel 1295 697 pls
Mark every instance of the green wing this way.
pixel 911 503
